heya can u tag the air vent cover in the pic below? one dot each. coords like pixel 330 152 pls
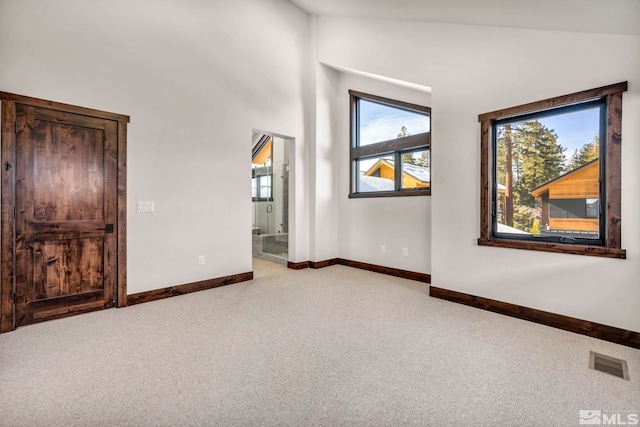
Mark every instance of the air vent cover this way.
pixel 609 365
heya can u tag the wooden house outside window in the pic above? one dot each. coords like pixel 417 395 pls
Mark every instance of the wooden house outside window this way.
pixel 570 203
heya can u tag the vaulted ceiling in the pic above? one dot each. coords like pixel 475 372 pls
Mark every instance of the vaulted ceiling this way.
pixel 591 16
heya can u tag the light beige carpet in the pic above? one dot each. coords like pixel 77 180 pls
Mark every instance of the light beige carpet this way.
pixel 263 268
pixel 334 346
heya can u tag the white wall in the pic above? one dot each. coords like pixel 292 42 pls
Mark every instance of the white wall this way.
pixel 367 223
pixel 473 70
pixel 324 178
pixel 354 229
pixel 196 77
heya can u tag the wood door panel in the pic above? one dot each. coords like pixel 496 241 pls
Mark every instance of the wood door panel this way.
pixel 60 307
pixel 68 172
pixel 66 196
pixel 66 118
pixel 67 267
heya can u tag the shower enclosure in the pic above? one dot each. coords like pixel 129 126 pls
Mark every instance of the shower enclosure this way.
pixel 270 195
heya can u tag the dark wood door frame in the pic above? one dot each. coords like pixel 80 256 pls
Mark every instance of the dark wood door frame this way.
pixel 8 202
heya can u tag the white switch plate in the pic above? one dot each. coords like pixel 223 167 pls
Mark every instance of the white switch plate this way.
pixel 405 251
pixel 383 249
pixel 201 260
pixel 146 207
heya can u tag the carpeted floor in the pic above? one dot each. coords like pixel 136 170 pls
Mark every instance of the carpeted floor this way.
pixel 334 346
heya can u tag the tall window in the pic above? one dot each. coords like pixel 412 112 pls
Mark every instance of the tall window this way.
pixel 551 174
pixel 390 147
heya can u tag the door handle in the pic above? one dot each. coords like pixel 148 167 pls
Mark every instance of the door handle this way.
pixel 108 228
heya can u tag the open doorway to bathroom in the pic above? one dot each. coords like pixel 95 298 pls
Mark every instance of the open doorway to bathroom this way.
pixel 270 167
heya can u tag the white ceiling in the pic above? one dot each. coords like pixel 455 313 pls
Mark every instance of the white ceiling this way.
pixel 592 16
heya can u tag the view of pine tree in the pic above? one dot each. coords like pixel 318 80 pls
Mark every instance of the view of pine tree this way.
pixel 535 157
pixel 588 152
pixel 423 160
pixel 407 157
pixel 403 132
pixel 541 160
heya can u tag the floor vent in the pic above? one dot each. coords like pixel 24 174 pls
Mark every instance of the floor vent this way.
pixel 609 365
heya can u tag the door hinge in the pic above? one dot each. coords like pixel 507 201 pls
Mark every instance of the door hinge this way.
pixel 15 299
pixel 15 127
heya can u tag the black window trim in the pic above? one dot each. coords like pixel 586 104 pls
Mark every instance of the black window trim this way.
pixel 549 112
pixel 394 147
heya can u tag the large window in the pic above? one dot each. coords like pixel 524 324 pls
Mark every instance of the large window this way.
pixel 390 147
pixel 551 174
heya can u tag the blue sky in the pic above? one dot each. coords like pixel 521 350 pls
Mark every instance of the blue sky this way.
pixel 574 129
pixel 381 123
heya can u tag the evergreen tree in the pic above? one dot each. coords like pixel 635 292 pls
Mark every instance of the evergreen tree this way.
pixel 588 152
pixel 535 157
pixel 541 160
pixel 423 160
pixel 407 157
pixel 403 132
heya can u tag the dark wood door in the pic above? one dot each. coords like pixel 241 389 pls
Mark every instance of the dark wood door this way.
pixel 66 219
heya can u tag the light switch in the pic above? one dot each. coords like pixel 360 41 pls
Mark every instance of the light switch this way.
pixel 146 207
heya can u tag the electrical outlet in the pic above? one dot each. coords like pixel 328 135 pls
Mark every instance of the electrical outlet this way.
pixel 383 249
pixel 201 260
pixel 405 251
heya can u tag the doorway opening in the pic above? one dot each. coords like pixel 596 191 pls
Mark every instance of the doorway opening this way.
pixel 270 170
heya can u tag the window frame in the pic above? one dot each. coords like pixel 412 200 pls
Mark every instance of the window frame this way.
pixel 394 147
pixel 550 112
pixel 258 177
pixel 609 244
